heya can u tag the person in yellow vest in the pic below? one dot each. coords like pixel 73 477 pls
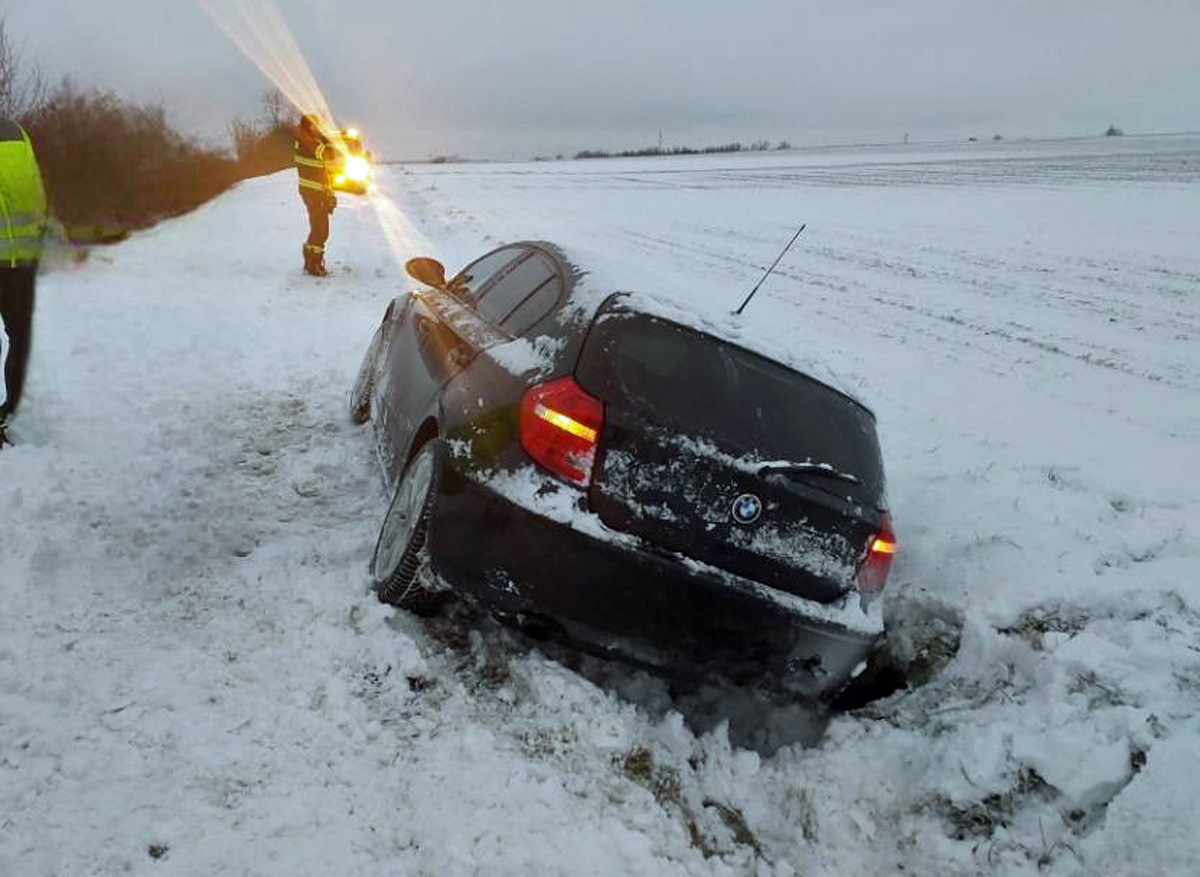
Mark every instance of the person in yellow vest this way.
pixel 22 228
pixel 314 156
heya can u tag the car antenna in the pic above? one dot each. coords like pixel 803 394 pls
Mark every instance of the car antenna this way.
pixel 738 312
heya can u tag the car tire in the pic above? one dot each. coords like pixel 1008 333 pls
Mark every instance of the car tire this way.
pixel 364 383
pixel 400 553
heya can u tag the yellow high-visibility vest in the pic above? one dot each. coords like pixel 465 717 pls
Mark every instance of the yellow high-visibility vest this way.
pixel 312 166
pixel 22 198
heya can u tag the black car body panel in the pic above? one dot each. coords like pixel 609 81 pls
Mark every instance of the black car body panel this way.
pixel 651 560
pixel 674 463
pixel 629 598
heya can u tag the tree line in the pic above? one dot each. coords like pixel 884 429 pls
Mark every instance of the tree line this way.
pixel 756 146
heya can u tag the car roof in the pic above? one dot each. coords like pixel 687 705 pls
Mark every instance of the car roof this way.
pixel 595 277
pixel 809 367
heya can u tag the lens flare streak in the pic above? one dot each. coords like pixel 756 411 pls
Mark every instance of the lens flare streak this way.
pixel 403 238
pixel 259 31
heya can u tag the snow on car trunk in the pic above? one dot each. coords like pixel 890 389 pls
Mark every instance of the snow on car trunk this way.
pixel 194 674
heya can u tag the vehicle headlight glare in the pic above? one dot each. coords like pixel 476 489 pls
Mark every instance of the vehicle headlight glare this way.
pixel 357 169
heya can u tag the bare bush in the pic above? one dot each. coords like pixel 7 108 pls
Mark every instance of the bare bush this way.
pixel 265 146
pixel 119 166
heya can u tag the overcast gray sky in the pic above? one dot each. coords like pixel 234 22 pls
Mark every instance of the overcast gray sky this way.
pixel 545 76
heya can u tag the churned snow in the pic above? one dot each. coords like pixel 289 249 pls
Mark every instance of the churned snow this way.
pixel 195 678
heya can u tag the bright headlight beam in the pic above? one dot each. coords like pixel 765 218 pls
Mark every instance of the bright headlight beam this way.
pixel 260 32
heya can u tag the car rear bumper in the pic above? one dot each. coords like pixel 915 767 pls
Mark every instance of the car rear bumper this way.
pixel 540 554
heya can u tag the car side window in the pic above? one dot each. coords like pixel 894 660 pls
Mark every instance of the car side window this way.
pixel 470 281
pixel 518 284
pixel 529 313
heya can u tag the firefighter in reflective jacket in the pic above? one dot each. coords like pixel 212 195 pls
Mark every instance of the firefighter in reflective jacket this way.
pixel 22 228
pixel 314 156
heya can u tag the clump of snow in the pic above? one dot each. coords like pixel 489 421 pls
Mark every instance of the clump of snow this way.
pixel 527 356
pixel 1157 813
pixel 548 497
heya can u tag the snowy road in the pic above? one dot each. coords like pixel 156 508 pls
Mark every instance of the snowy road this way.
pixel 192 667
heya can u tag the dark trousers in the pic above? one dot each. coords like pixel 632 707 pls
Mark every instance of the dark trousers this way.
pixel 16 310
pixel 317 204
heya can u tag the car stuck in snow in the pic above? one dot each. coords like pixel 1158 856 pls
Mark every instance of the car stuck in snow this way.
pixel 623 478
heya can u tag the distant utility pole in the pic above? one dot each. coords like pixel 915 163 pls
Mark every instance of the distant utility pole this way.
pixel 660 139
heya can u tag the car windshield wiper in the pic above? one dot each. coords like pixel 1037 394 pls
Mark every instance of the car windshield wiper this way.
pixel 807 470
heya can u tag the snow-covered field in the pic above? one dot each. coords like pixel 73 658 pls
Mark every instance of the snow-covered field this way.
pixel 195 678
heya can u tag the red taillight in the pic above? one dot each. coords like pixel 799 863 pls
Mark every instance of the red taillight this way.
pixel 873 573
pixel 560 427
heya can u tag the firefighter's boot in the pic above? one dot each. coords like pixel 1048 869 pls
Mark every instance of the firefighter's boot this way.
pixel 314 260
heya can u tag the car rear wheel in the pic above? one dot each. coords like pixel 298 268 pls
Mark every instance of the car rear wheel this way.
pixel 400 552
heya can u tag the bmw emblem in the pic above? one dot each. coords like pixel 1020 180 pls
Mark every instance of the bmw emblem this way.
pixel 747 508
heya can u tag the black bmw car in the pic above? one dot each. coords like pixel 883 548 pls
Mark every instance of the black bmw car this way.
pixel 623 475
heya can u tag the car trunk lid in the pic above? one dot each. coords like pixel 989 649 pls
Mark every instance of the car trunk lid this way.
pixel 725 457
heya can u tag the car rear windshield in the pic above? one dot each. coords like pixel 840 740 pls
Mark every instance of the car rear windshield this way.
pixel 697 385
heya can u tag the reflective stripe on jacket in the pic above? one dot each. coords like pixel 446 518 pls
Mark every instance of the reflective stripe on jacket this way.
pixel 22 198
pixel 311 164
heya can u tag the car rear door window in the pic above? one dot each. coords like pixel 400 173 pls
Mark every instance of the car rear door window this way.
pixel 517 285
pixel 473 279
pixel 530 312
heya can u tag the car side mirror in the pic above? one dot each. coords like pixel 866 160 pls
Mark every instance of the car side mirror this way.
pixel 431 272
